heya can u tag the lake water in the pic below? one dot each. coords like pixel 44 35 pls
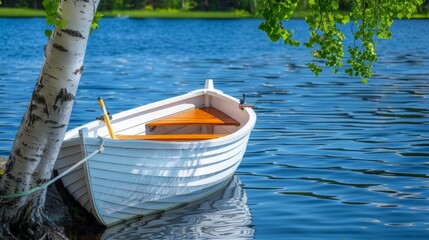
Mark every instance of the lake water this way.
pixel 329 158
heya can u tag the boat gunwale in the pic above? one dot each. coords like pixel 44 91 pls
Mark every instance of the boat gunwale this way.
pixel 245 128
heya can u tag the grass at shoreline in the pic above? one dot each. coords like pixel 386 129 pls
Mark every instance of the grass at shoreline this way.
pixel 21 13
pixel 24 13
pixel 176 14
pixel 165 13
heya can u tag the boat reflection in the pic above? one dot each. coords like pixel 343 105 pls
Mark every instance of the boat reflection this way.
pixel 222 215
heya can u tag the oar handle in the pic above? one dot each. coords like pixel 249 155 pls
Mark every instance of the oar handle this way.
pixel 106 118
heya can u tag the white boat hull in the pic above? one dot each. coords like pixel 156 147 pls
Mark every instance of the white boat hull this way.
pixel 132 178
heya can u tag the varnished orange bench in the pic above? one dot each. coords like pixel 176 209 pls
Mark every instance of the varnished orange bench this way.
pixel 197 116
pixel 171 137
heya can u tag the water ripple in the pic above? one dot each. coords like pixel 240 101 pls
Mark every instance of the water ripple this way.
pixel 330 158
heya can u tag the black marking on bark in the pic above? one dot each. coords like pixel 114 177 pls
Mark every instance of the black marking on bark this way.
pixel 19 154
pixel 79 70
pixel 46 110
pixel 85 1
pixel 10 164
pixel 73 33
pixel 33 118
pixel 26 145
pixel 64 96
pixel 49 75
pixel 51 122
pixel 59 48
pixel 40 85
pixel 55 124
pixel 41 79
pixel 59 126
pixel 33 107
pixel 37 98
pixel 42 180
pixel 10 176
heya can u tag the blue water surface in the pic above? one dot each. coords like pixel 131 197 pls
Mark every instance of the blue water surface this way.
pixel 329 158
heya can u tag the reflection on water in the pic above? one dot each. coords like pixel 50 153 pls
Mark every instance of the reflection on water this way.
pixel 223 215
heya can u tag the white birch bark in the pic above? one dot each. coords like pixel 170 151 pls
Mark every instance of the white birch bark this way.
pixel 43 126
pixel 255 6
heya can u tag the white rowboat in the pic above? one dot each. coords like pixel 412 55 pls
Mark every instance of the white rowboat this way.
pixel 165 154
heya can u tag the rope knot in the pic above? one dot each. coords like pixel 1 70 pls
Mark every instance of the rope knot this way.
pixel 101 147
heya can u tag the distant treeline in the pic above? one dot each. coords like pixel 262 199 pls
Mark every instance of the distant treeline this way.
pixel 196 5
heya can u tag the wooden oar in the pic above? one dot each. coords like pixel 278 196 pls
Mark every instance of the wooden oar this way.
pixel 106 118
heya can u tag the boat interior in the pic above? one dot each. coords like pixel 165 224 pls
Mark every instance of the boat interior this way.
pixel 199 115
pixel 191 125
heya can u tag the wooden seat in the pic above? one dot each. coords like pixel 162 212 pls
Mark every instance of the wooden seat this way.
pixel 207 116
pixel 171 137
pixel 197 116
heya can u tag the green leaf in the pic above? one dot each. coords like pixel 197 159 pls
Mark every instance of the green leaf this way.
pixel 51 20
pixel 48 33
pixel 384 35
pixel 62 23
pixel 274 37
pixel 264 27
pixel 52 15
pixel 294 43
pixel 99 15
pixel 345 20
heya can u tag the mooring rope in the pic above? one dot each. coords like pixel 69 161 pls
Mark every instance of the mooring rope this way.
pixel 100 149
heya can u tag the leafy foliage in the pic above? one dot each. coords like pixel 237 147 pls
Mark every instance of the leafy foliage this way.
pixel 368 19
pixel 54 18
pixel 274 12
pixel 97 18
pixel 53 15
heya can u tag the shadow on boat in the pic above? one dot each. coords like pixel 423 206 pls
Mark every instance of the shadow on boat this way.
pixel 222 215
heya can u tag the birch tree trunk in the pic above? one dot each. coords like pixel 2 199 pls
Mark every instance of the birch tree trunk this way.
pixel 255 6
pixel 43 126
